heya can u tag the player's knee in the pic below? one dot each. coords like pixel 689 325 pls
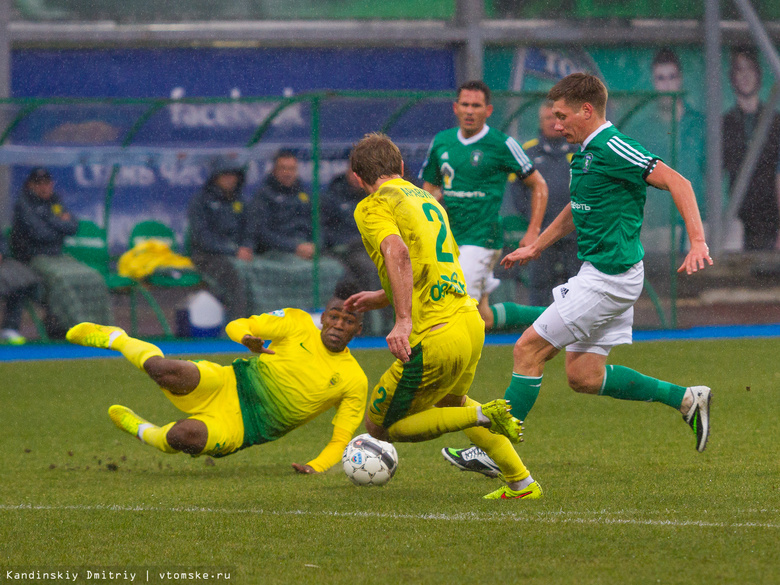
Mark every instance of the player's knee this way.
pixel 173 375
pixel 583 382
pixel 189 436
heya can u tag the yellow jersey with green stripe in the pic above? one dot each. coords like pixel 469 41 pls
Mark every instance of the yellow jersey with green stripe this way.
pixel 282 391
pixel 400 208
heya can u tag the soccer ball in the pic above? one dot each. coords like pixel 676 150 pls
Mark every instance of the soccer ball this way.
pixel 369 461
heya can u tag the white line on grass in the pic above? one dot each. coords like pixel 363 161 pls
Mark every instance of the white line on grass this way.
pixel 557 517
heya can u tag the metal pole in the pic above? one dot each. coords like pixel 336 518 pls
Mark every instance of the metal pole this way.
pixel 471 55
pixel 5 91
pixel 714 177
pixel 759 34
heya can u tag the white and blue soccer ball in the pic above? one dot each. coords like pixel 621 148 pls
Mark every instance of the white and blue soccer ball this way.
pixel 368 461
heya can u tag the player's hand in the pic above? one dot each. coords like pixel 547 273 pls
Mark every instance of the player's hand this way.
pixel 398 340
pixel 520 257
pixel 367 300
pixel 255 344
pixel 304 468
pixel 697 258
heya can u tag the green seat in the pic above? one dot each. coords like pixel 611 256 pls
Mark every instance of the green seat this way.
pixel 148 230
pixel 89 245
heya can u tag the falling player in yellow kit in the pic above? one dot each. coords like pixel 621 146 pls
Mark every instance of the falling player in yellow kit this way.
pixel 301 375
pixel 438 333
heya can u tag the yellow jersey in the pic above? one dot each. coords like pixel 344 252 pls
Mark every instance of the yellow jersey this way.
pixel 282 391
pixel 439 288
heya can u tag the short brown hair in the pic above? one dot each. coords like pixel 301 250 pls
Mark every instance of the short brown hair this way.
pixel 475 85
pixel 579 88
pixel 376 156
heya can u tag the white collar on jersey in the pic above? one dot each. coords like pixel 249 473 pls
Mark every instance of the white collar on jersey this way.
pixel 466 141
pixel 606 124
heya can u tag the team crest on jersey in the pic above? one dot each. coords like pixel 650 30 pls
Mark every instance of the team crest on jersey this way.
pixel 447 175
pixel 476 156
pixel 586 164
pixel 335 379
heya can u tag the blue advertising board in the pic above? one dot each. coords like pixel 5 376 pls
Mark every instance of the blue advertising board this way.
pixel 154 185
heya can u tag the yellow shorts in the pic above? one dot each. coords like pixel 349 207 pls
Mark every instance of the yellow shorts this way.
pixel 215 402
pixel 443 363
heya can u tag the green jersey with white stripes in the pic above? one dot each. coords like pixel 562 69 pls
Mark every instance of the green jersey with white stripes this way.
pixel 608 192
pixel 472 173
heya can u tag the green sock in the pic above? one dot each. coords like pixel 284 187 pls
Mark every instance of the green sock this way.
pixel 514 316
pixel 522 394
pixel 627 384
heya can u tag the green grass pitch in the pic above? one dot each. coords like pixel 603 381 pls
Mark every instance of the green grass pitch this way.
pixel 627 497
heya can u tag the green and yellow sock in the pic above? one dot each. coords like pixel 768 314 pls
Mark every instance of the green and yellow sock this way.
pixel 135 350
pixel 499 449
pixel 156 436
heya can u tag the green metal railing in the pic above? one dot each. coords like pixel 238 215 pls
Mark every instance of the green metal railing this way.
pixel 510 109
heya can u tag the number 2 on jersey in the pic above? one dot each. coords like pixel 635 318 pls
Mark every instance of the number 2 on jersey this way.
pixel 441 255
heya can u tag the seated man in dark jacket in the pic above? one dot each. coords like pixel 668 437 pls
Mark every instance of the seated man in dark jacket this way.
pixel 281 220
pixel 17 284
pixel 75 292
pixel 220 239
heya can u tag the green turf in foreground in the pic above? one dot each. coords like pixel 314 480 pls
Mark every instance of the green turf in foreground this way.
pixel 628 499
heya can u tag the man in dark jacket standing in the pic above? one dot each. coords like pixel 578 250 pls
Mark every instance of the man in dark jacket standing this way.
pixel 551 155
pixel 74 291
pixel 221 242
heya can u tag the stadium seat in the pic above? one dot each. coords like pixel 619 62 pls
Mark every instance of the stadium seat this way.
pixel 89 245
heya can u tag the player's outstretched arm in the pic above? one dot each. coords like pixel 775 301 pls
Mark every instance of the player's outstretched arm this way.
pixel 329 456
pixel 560 227
pixel 367 300
pixel 240 331
pixel 399 273
pixel 664 177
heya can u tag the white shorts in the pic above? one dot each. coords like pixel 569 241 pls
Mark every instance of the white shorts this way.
pixel 593 311
pixel 478 264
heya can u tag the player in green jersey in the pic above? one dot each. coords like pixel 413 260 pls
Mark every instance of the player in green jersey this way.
pixel 593 311
pixel 467 169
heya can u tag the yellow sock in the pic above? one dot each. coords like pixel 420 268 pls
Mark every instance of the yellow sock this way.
pixel 157 437
pixel 499 449
pixel 433 423
pixel 135 350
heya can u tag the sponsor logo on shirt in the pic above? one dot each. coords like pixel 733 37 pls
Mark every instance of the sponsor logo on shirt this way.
pixel 447 285
pixel 564 292
pixel 445 156
pixel 277 313
pixel 580 206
